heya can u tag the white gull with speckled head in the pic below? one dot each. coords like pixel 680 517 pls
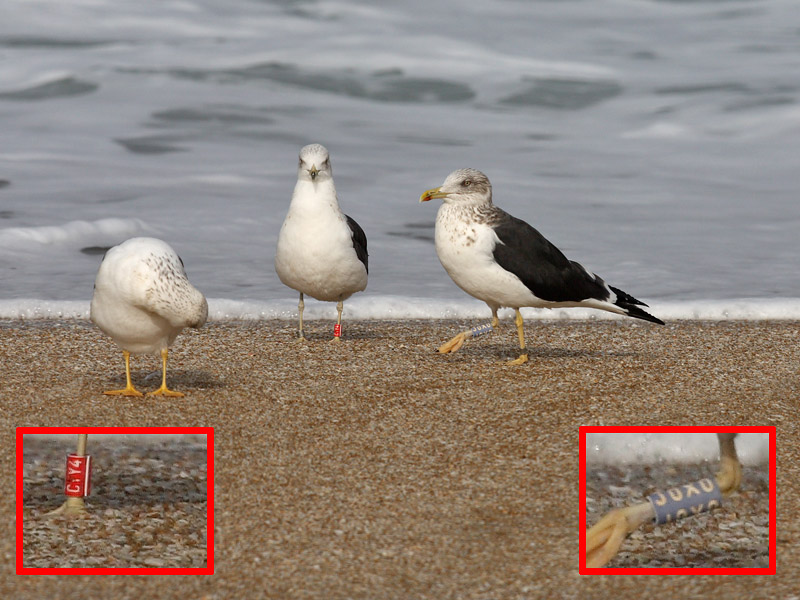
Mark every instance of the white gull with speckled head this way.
pixel 143 299
pixel 321 251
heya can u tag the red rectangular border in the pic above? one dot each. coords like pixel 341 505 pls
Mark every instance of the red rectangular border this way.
pixel 583 570
pixel 207 570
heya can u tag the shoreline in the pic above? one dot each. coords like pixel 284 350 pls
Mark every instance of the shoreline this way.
pixel 377 467
pixel 364 307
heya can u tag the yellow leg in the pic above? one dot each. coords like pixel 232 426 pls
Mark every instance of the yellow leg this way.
pixel 454 345
pixel 164 390
pixel 523 356
pixel 73 505
pixel 300 306
pixel 129 389
pixel 339 309
pixel 729 476
pixel 604 539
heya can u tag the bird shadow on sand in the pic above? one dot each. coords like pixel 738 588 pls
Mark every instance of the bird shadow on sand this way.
pixel 182 380
pixel 500 352
pixel 324 333
pixel 549 352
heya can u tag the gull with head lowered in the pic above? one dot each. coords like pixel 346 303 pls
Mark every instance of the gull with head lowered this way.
pixel 143 299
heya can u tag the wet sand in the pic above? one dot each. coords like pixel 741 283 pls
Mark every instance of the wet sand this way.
pixel 377 468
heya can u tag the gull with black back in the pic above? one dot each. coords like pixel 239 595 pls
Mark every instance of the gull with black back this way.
pixel 505 262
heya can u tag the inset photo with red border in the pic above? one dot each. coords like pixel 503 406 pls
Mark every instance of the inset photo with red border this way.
pixel 115 500
pixel 677 501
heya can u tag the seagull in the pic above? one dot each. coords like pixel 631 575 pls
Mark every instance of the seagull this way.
pixel 604 539
pixel 505 262
pixel 321 251
pixel 142 299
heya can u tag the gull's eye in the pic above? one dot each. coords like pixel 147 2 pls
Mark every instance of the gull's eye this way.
pixel 466 182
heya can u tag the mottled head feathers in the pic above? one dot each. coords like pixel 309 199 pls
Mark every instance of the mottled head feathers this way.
pixel 464 186
pixel 315 163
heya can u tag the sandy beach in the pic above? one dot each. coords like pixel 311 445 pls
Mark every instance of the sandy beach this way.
pixel 377 468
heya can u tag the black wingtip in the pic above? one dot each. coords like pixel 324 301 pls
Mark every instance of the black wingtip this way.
pixel 635 311
pixel 631 306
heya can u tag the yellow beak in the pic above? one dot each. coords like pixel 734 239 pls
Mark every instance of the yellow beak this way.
pixel 313 172
pixel 431 194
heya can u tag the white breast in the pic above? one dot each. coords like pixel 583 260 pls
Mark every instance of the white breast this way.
pixel 315 253
pixel 465 249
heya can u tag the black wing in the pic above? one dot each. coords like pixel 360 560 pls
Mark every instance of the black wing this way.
pixel 541 266
pixel 359 241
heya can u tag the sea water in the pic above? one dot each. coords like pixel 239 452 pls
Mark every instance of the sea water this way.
pixel 654 141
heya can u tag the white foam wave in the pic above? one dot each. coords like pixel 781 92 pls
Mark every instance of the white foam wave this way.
pixel 401 307
pixel 750 125
pixel 628 448
pixel 742 309
pixel 363 307
pixel 25 309
pixel 103 230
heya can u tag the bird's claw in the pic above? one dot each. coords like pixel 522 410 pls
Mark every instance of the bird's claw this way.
pixel 604 539
pixel 453 345
pixel 128 391
pixel 72 506
pixel 730 475
pixel 164 391
pixel 523 358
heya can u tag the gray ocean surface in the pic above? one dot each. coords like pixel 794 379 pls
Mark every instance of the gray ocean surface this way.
pixel 657 142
